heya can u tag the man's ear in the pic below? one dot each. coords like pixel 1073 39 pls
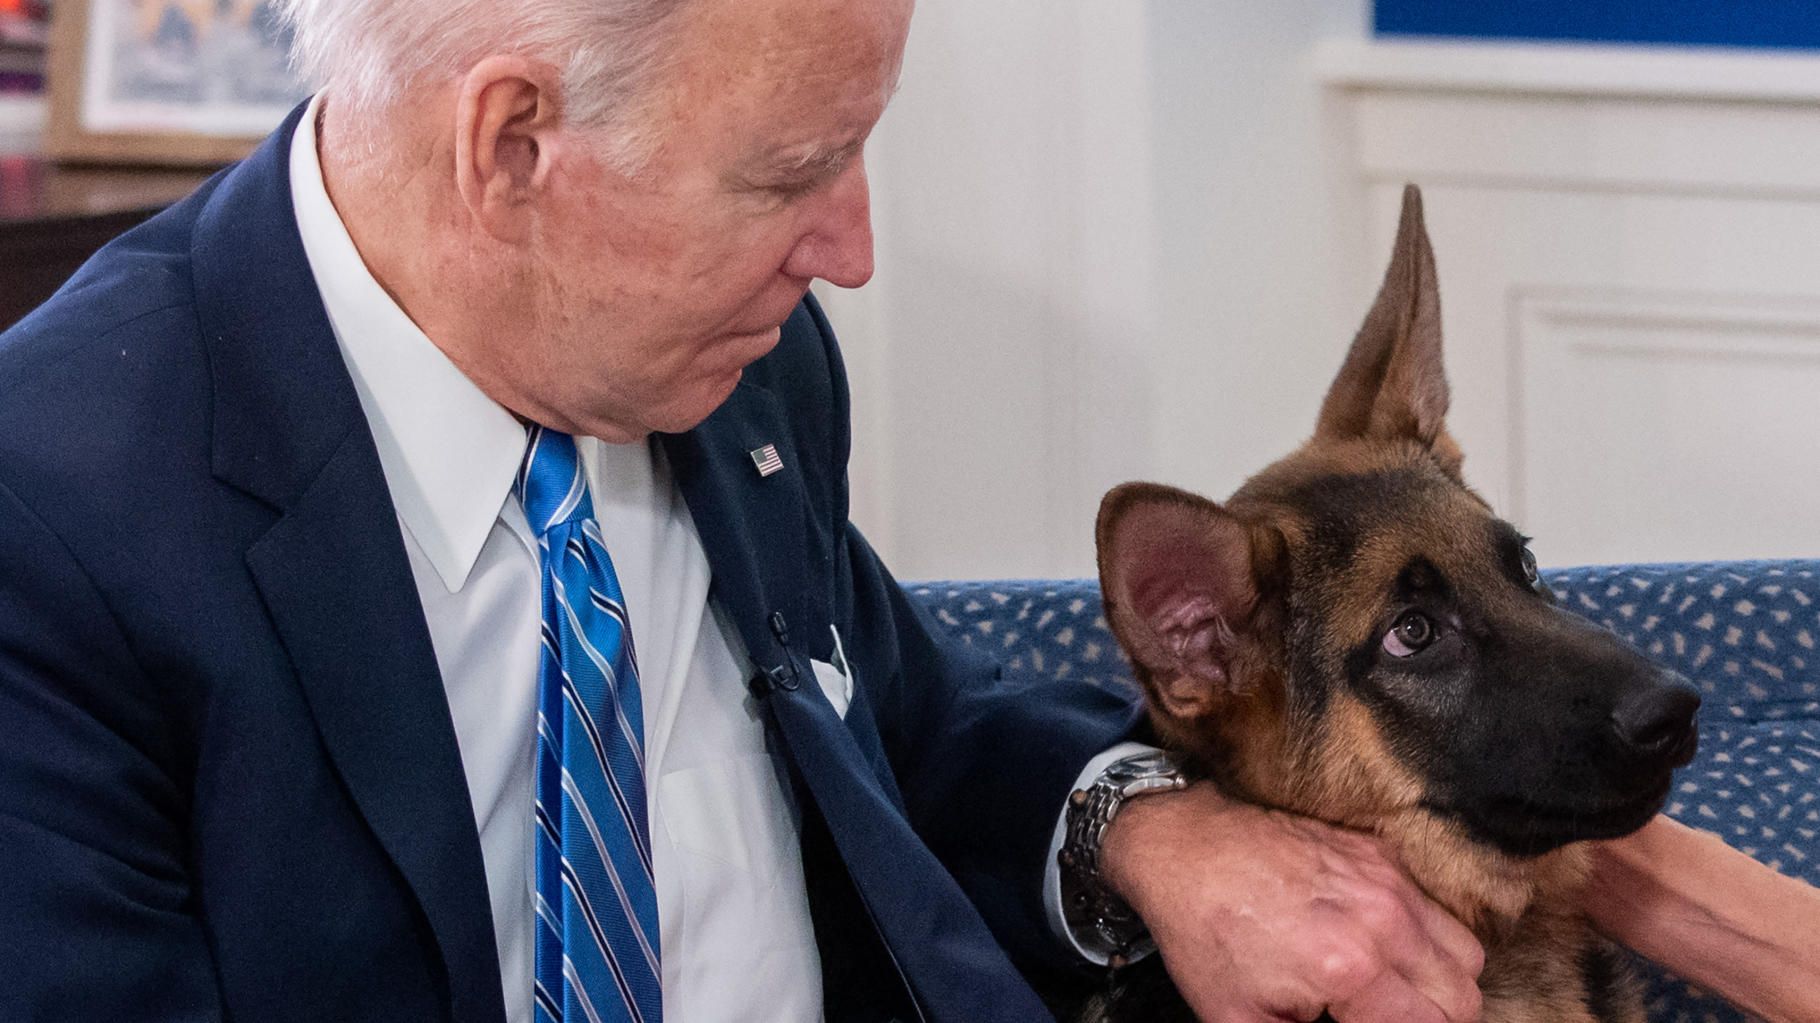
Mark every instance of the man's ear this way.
pixel 507 113
pixel 1392 386
pixel 1176 576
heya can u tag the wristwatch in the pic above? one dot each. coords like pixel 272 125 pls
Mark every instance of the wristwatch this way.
pixel 1099 920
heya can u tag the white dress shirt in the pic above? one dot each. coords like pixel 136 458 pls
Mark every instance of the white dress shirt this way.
pixel 737 942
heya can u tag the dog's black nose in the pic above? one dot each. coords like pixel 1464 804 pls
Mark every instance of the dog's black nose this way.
pixel 1659 720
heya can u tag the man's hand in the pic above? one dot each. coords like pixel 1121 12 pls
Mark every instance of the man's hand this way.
pixel 1265 916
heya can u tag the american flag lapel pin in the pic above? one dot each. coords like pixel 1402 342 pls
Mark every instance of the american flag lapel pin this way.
pixel 767 460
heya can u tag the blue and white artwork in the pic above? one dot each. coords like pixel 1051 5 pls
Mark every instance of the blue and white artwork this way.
pixel 1775 24
pixel 209 67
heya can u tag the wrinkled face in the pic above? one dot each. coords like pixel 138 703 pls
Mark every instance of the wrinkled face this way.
pixel 1526 724
pixel 657 288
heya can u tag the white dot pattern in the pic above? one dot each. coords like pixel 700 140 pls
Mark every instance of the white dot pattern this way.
pixel 1744 632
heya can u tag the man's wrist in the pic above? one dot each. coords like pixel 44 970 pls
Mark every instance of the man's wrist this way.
pixel 1139 853
pixel 1126 833
pixel 1083 944
pixel 1097 918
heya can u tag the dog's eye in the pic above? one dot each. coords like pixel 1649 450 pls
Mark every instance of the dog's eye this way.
pixel 1530 571
pixel 1409 635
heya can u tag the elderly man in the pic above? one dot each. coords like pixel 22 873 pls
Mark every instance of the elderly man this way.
pixel 333 499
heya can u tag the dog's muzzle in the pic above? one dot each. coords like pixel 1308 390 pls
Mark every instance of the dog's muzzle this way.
pixel 1655 724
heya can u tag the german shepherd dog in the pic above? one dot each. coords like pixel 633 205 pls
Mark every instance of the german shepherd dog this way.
pixel 1354 636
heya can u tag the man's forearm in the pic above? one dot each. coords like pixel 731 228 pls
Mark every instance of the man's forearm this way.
pixel 1714 916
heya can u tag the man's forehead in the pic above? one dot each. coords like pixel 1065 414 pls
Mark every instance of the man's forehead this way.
pixel 807 144
pixel 838 39
pixel 822 140
pixel 813 86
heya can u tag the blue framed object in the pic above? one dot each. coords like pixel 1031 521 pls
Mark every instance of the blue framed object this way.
pixel 1780 24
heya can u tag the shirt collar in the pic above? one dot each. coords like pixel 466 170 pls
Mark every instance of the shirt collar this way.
pixel 448 451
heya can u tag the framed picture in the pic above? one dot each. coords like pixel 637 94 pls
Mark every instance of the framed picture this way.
pixel 191 82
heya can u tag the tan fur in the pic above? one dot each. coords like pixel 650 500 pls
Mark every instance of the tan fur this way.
pixel 1521 909
pixel 1382 419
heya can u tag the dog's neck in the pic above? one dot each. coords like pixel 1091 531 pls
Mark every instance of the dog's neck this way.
pixel 1354 782
pixel 1487 890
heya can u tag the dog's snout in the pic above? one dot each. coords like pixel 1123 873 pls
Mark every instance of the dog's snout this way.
pixel 1659 720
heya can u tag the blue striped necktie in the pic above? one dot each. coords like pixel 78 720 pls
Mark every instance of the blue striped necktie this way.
pixel 596 950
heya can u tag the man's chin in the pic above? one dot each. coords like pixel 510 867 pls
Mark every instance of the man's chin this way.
pixel 710 390
pixel 749 348
pixel 713 390
pixel 686 414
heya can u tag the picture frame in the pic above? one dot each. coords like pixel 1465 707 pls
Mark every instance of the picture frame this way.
pixel 165 82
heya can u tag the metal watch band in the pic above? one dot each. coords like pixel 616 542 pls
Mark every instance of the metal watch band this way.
pixel 1099 920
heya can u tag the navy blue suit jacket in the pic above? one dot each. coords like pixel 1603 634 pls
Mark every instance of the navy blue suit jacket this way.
pixel 229 784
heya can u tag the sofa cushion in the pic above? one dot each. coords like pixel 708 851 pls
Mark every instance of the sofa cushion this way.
pixel 1745 632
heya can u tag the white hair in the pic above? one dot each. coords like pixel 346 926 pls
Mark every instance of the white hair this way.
pixel 371 51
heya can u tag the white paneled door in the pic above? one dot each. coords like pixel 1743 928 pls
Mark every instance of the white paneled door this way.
pixel 1629 249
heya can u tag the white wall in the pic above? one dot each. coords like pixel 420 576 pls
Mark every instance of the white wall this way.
pixel 1628 243
pixel 1106 251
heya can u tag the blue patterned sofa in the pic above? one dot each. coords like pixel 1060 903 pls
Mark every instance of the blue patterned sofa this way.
pixel 1748 633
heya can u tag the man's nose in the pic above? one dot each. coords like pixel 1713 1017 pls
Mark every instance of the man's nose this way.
pixel 839 247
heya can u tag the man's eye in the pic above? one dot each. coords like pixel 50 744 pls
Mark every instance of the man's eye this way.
pixel 1412 633
pixel 794 189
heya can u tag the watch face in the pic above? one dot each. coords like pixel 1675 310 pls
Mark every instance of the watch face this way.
pixel 1143 774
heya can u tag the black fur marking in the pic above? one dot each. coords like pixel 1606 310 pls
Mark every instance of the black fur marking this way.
pixel 1139 992
pixel 1305 648
pixel 1420 586
pixel 1361 661
pixel 1342 510
pixel 1607 981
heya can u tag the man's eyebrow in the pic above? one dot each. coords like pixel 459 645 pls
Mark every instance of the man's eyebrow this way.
pixel 821 157
pixel 818 158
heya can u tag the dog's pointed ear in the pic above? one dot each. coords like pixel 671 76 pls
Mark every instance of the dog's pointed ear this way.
pixel 1392 385
pixel 1176 576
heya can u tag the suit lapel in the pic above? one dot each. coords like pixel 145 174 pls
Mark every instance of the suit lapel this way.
pixel 755 528
pixel 339 588
pixel 288 430
pixel 769 556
